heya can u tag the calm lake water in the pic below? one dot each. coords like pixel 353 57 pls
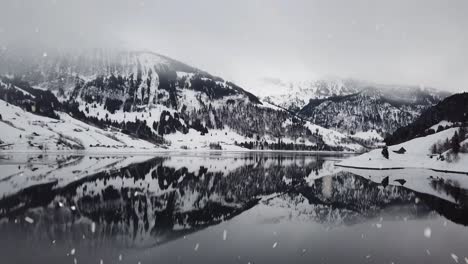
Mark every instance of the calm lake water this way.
pixel 226 208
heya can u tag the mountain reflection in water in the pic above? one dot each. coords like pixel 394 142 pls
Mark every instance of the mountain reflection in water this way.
pixel 149 203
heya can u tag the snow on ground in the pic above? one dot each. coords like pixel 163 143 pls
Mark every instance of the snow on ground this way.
pixel 417 156
pixel 25 132
pixel 442 123
pixel 193 140
pixel 369 135
pixel 334 138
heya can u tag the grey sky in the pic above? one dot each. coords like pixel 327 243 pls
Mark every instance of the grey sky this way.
pixel 398 41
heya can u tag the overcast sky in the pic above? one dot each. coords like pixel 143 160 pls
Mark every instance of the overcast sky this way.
pixel 423 42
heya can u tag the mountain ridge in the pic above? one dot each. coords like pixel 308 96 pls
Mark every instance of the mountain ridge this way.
pixel 167 102
pixel 353 106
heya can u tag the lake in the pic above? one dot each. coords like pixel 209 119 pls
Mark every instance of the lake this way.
pixel 226 208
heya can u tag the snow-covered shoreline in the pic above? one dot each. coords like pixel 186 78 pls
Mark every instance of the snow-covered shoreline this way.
pixel 417 155
pixel 400 168
pixel 157 151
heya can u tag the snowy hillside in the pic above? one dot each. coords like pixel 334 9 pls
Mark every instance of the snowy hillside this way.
pixel 351 106
pixel 294 95
pixel 453 110
pixel 160 100
pixel 26 132
pixel 419 154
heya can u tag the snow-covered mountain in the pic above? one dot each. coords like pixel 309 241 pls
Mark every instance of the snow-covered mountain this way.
pixel 352 106
pixel 294 95
pixel 156 99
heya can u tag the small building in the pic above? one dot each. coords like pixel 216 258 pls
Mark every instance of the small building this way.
pixel 402 150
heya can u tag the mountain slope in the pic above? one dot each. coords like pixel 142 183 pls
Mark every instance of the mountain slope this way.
pixel 163 101
pixel 372 108
pixel 352 106
pixel 452 109
pixel 26 132
pixel 295 95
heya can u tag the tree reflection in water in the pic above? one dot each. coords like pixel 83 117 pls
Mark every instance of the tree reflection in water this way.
pixel 157 201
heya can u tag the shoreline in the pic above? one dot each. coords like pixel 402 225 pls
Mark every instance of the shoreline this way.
pixel 169 151
pixel 400 168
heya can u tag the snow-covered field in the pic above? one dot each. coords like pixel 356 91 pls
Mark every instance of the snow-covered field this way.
pixel 418 155
pixel 371 135
pixel 22 131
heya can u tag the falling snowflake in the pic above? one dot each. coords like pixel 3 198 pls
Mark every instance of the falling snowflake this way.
pixel 29 219
pixel 378 225
pixel 44 54
pixel 72 252
pixel 93 227
pixel 120 257
pixel 427 232
pixel 275 244
pixel 196 247
pixel 224 235
pixel 454 257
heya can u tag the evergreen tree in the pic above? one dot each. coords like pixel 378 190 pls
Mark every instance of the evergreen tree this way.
pixel 455 143
pixel 385 152
pixel 462 133
pixel 434 149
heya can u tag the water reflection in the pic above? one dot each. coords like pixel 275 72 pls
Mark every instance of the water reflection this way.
pixel 136 202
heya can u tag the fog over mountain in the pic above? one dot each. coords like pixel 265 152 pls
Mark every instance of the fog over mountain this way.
pixel 419 42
